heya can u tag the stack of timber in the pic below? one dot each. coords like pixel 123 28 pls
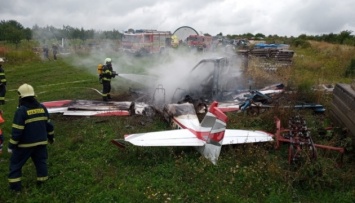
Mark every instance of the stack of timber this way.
pixel 275 54
pixel 270 59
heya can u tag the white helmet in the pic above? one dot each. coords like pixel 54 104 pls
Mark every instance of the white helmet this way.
pixel 108 60
pixel 26 90
pixel 2 60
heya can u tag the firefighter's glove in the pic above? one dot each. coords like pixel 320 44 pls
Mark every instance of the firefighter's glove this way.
pixel 51 141
pixel 100 78
pixel 11 147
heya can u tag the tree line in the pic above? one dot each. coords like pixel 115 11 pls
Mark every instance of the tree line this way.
pixel 13 32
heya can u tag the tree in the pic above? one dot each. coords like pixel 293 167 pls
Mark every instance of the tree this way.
pixel 12 31
pixel 27 34
pixel 343 36
pixel 350 71
pixel 259 36
pixel 302 36
pixel 248 35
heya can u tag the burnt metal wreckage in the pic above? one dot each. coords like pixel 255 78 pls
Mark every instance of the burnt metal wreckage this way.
pixel 298 135
pixel 217 83
pixel 256 102
pixel 217 80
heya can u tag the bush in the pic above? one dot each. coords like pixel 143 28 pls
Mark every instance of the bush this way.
pixel 350 71
pixel 301 43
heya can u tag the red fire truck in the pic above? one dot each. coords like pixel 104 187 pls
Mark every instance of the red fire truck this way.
pixel 199 41
pixel 142 42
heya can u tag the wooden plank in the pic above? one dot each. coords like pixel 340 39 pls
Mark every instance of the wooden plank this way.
pixel 342 109
pixel 339 117
pixel 345 94
pixel 349 113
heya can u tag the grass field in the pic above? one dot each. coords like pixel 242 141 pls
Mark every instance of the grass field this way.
pixel 85 167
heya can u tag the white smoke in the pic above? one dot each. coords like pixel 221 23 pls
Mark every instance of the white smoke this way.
pixel 171 71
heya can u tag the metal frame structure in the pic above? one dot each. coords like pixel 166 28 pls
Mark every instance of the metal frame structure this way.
pixel 299 138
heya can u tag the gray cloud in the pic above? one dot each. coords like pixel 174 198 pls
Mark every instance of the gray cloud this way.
pixel 292 17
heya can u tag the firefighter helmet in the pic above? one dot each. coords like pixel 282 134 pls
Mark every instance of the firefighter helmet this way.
pixel 26 90
pixel 108 60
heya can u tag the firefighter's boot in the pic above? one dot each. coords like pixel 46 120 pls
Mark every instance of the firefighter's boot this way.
pixel 109 96
pixel 16 186
pixel 104 98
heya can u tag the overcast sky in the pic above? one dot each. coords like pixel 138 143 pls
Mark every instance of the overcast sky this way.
pixel 281 17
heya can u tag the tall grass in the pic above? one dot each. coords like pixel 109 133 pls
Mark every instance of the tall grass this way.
pixel 323 63
pixel 85 167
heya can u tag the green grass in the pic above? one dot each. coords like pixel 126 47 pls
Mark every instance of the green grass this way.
pixel 85 167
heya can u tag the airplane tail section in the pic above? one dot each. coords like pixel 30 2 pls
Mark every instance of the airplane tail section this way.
pixel 216 120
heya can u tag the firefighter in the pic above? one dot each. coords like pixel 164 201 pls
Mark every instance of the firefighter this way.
pixel 1 134
pixel 105 78
pixel 46 52
pixel 2 83
pixel 32 130
pixel 55 51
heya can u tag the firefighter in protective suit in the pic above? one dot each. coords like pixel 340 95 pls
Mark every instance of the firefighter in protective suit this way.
pixel 32 130
pixel 105 78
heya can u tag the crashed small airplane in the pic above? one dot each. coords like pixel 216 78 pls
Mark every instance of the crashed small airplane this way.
pixel 207 136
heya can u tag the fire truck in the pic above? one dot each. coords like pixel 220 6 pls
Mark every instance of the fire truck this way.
pixel 143 42
pixel 198 41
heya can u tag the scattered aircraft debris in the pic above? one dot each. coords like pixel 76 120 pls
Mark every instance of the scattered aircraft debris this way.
pixel 215 79
pixel 327 88
pixel 90 108
pixel 214 93
pixel 258 102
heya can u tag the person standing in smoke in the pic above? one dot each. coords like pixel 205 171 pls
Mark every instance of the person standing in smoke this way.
pixel 105 78
pixel 55 51
pixel 46 52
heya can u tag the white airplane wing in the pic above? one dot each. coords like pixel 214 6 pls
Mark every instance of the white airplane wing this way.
pixel 180 137
pixel 57 109
pixel 96 113
pixel 89 108
pixel 233 136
